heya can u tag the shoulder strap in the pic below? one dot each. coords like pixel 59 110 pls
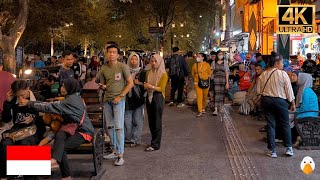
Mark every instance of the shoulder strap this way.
pixel 198 70
pixel 242 76
pixel 84 112
pixel 267 81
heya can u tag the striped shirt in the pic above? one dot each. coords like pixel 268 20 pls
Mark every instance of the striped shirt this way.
pixel 279 85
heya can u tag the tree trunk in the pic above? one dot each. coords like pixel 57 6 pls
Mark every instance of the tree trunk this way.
pixel 8 56
pixel 9 43
pixel 51 42
pixel 86 44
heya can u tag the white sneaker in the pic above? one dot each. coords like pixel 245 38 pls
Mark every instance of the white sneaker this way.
pixel 119 161
pixel 289 151
pixel 215 113
pixel 110 156
pixel 180 105
pixel 171 103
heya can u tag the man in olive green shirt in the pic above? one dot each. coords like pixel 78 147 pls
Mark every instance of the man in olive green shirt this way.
pixel 116 81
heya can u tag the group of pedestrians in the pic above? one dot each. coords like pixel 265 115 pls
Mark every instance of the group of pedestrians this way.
pixel 127 88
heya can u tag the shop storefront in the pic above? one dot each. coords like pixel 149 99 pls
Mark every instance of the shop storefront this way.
pixel 301 43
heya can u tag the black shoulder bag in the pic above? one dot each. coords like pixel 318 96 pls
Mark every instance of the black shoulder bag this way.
pixel 202 83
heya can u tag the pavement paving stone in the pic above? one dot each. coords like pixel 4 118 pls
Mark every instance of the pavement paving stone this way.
pixel 194 148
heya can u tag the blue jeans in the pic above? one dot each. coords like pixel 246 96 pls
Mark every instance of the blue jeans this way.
pixel 133 124
pixel 276 112
pixel 114 120
pixel 233 90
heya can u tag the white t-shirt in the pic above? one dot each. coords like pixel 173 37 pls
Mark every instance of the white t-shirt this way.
pixel 83 75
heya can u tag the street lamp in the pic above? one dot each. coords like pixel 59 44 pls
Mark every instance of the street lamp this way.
pixel 119 36
pixel 181 25
pixel 175 36
pixel 200 16
pixel 173 25
pixel 188 35
pixel 64 38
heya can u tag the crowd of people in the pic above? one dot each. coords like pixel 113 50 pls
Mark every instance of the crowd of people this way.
pixel 127 88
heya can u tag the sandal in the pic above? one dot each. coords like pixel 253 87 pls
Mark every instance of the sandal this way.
pixel 199 114
pixel 150 149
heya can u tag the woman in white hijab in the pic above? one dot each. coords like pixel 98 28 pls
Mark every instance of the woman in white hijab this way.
pixel 307 99
pixel 156 81
pixel 134 114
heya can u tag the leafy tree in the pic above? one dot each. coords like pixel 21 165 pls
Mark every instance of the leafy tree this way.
pixel 13 19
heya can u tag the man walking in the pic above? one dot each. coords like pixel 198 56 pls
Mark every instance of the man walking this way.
pixel 116 81
pixel 178 71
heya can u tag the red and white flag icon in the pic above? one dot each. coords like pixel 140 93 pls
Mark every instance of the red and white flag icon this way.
pixel 28 160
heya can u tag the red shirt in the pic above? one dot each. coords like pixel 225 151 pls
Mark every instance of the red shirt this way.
pixel 6 79
pixel 244 81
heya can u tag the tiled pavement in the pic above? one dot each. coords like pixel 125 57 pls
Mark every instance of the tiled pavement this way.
pixel 195 148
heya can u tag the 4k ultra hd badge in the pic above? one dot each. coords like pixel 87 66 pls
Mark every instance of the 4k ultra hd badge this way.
pixel 296 19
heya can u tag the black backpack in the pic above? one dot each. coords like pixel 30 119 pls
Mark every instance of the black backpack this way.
pixel 174 66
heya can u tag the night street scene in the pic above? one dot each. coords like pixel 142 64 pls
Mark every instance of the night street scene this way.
pixel 159 89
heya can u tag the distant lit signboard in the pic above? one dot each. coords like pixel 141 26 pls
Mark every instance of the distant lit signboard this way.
pixel 296 19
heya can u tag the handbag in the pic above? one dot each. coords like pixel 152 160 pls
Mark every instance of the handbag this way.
pixel 21 133
pixel 203 83
pixel 257 100
pixel 71 128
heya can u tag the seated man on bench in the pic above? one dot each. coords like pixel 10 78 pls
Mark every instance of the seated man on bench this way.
pixel 73 111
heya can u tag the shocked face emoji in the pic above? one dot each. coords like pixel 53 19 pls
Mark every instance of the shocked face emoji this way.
pixel 307 165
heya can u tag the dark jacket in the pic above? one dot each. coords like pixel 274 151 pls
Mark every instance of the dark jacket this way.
pixel 12 111
pixel 71 109
pixel 137 98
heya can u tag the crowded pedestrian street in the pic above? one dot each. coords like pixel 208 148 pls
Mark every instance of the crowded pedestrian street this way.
pixel 159 89
pixel 197 149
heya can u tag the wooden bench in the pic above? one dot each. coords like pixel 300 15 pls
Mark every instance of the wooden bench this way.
pixel 309 130
pixel 96 148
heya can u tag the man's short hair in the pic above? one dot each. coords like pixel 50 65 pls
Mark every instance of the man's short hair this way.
pixel 93 74
pixel 213 53
pixel 257 65
pixel 66 53
pixel 189 53
pixel 75 55
pixel 309 55
pixel 37 54
pixel 52 78
pixel 113 46
pixel 175 49
pixel 258 54
pixel 112 43
pixel 82 59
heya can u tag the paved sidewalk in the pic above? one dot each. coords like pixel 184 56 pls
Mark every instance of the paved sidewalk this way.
pixel 284 168
pixel 195 148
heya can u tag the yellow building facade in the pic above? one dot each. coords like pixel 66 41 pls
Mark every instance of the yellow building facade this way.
pixel 258 20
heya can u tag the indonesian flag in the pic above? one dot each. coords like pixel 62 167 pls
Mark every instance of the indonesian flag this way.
pixel 28 160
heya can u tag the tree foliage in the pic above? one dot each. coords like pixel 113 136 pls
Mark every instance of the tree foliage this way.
pixel 126 22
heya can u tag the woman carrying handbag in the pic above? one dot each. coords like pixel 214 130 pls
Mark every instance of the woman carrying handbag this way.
pixel 201 72
pixel 77 127
pixel 275 90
